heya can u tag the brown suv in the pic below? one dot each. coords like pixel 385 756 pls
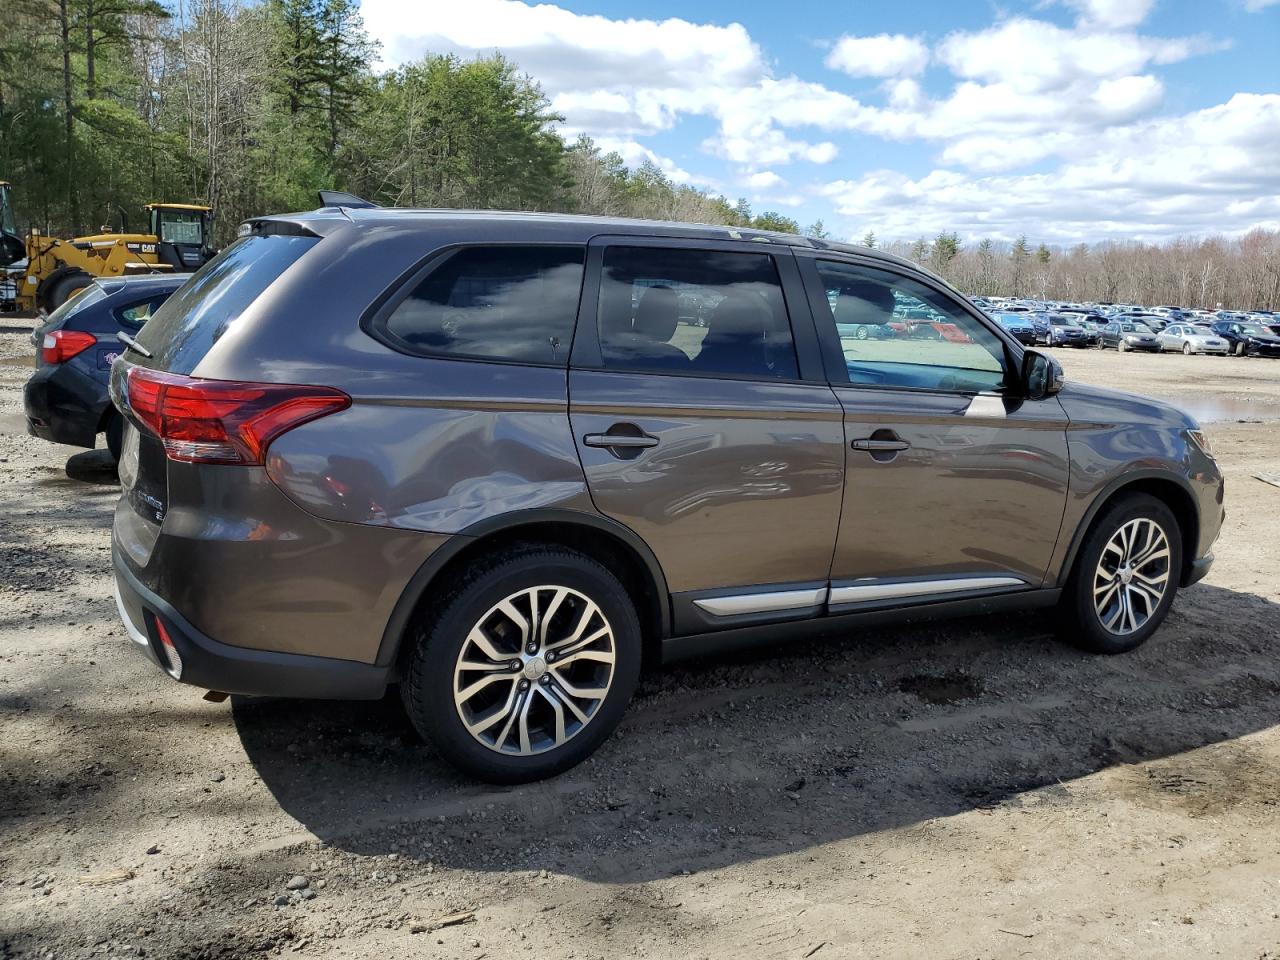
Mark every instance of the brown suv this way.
pixel 500 460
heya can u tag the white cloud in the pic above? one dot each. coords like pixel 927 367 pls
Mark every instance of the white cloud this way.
pixel 1253 6
pixel 764 180
pixel 1034 56
pixel 1041 123
pixel 1204 172
pixel 769 147
pixel 1112 14
pixel 884 55
pixel 565 50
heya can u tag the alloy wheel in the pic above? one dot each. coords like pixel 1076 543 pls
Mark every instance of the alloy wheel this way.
pixel 1132 576
pixel 534 670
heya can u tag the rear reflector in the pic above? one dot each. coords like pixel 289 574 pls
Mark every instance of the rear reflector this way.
pixel 169 650
pixel 223 421
pixel 61 345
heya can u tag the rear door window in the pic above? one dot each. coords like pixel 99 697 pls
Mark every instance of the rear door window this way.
pixel 701 312
pixel 206 306
pixel 514 303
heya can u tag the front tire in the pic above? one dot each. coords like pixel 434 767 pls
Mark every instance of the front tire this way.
pixel 1186 349
pixel 527 667
pixel 1125 576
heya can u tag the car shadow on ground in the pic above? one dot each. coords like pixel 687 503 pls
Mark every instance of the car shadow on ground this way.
pixel 779 750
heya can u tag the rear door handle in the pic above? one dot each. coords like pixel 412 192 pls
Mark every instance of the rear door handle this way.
pixel 620 440
pixel 880 446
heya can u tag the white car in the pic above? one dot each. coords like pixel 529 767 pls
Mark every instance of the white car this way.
pixel 1190 338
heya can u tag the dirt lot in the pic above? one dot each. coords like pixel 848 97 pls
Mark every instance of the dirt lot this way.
pixel 969 790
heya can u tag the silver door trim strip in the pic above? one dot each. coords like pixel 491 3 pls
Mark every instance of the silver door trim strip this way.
pixel 762 602
pixel 869 590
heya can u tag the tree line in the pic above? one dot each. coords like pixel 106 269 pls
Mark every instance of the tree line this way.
pixel 252 106
pixel 1238 274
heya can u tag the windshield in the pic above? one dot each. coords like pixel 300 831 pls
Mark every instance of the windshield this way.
pixel 181 226
pixel 204 308
pixel 1135 328
pixel 1254 329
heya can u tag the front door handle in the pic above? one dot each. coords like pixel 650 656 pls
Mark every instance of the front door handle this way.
pixel 880 446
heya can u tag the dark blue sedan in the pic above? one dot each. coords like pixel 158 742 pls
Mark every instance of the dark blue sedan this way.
pixel 66 398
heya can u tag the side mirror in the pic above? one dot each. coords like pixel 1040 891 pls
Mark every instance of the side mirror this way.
pixel 1041 375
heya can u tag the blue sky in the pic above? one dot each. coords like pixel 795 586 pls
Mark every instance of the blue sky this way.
pixel 1066 120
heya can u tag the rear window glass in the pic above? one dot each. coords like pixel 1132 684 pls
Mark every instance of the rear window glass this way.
pixel 205 307
pixel 84 298
pixel 494 303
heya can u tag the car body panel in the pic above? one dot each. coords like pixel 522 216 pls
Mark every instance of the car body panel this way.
pixel 984 476
pixel 249 568
pixel 739 463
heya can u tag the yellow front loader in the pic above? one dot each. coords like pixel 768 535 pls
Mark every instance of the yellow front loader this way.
pixel 55 269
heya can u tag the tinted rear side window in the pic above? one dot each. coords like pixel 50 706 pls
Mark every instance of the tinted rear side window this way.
pixel 493 303
pixel 701 312
pixel 205 307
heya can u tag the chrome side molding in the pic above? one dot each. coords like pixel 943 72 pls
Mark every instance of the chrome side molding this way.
pixel 740 604
pixel 865 591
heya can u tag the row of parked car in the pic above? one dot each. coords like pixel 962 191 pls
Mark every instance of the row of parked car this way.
pixel 1126 327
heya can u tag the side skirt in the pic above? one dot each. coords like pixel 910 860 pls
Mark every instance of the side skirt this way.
pixel 837 624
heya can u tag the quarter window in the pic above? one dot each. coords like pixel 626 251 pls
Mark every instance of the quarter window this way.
pixel 498 303
pixel 136 314
pixel 714 313
pixel 897 332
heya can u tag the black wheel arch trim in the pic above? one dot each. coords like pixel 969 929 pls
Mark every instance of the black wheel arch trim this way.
pixel 420 582
pixel 1107 494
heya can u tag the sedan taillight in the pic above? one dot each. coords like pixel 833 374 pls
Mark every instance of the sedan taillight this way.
pixel 223 421
pixel 61 345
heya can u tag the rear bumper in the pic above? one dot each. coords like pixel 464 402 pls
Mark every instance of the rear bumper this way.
pixel 211 665
pixel 62 405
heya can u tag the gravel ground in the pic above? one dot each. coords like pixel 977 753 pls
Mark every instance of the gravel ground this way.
pixel 971 789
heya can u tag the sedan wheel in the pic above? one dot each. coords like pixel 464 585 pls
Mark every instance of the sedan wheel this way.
pixel 1186 349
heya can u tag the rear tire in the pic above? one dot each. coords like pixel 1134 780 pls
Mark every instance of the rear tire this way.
pixel 529 721
pixel 1120 590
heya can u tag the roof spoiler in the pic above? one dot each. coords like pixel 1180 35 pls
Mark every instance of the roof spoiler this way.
pixel 336 198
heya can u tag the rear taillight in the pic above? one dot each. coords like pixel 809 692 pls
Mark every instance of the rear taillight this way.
pixel 223 421
pixel 61 345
